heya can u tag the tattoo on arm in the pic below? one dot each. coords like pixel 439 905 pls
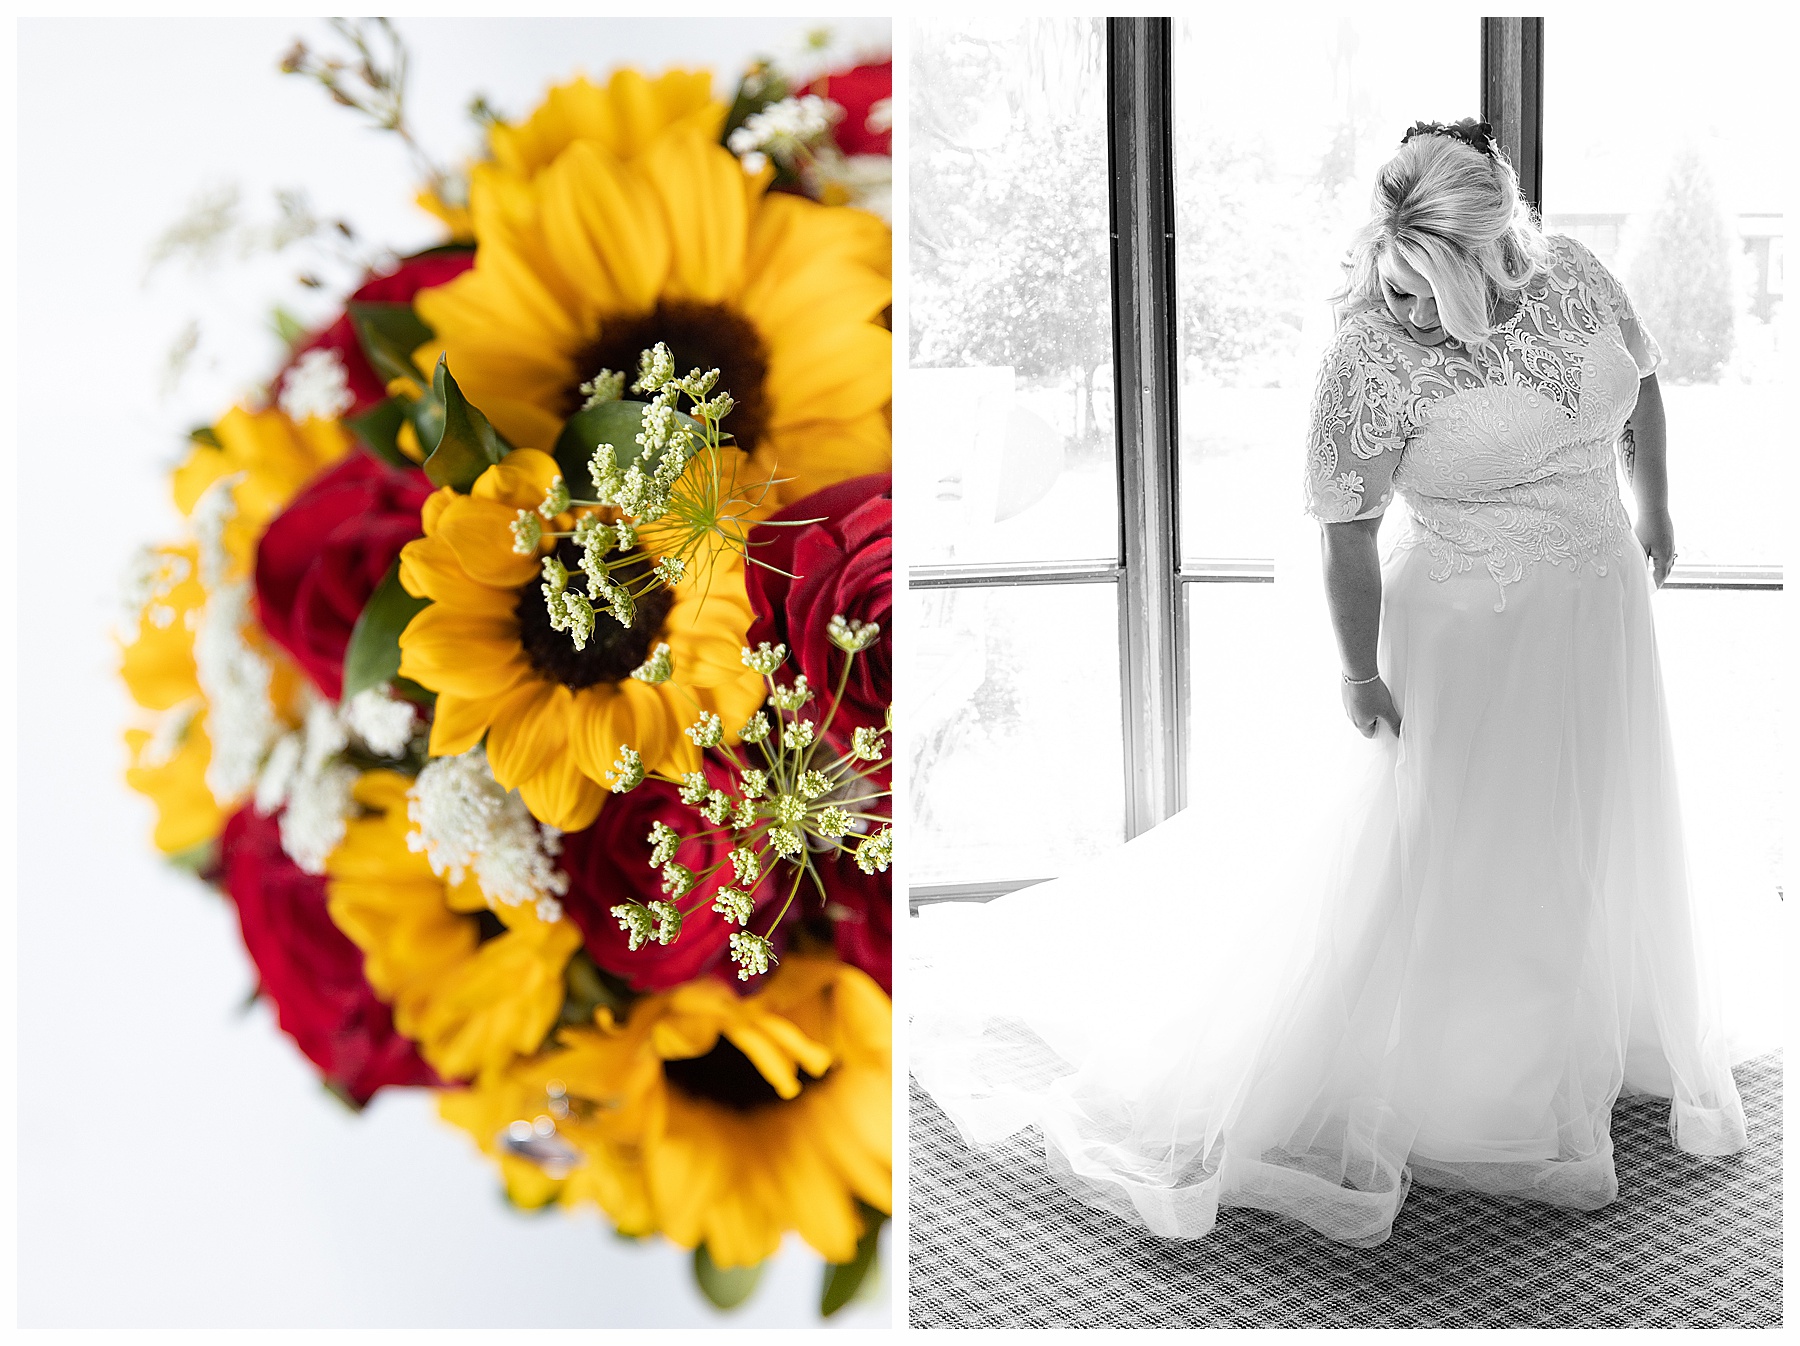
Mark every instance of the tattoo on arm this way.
pixel 1628 451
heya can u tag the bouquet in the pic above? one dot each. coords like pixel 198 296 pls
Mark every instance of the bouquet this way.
pixel 522 676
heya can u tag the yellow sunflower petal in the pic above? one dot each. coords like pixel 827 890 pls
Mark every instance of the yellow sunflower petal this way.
pixel 823 1211
pixel 807 457
pixel 529 727
pixel 678 1037
pixel 854 1124
pixel 186 813
pixel 479 531
pixel 605 231
pixel 434 506
pixel 820 294
pixel 790 232
pixel 686 1171
pixel 742 1227
pixel 835 373
pixel 624 116
pixel 459 723
pixel 518 481
pixel 701 187
pixel 429 569
pixel 562 796
pixel 462 653
pixel 629 713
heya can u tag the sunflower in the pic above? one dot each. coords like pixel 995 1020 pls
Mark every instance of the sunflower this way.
pixel 275 456
pixel 169 764
pixel 595 258
pixel 714 1119
pixel 624 116
pixel 187 815
pixel 271 459
pixel 554 716
pixel 474 988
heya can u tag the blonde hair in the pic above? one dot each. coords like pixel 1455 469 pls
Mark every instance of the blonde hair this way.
pixel 1454 215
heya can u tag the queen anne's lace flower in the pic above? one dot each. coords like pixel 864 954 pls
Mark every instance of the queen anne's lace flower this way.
pixel 664 841
pixel 734 905
pixel 234 677
pixel 752 954
pixel 657 668
pixel 383 722
pixel 170 730
pixel 463 820
pixel 318 806
pixel 708 731
pixel 875 853
pixel 765 658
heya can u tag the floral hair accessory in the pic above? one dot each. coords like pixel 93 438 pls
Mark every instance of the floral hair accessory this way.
pixel 1476 135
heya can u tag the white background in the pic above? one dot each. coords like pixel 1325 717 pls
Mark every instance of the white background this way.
pixel 178 1163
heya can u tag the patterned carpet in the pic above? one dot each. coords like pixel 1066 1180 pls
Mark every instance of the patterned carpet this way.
pixel 1689 1243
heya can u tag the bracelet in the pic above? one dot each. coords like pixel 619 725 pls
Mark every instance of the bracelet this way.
pixel 1361 682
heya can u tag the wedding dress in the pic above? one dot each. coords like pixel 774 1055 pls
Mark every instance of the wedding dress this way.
pixel 1485 936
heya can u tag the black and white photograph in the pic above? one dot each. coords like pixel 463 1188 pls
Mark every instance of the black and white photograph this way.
pixel 1343 722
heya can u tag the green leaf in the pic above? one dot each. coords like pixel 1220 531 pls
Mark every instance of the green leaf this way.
pixel 341 1094
pixel 379 430
pixel 373 656
pixel 726 1289
pixel 843 1280
pixel 614 423
pixel 468 445
pixel 203 434
pixel 586 989
pixel 289 328
pixel 768 89
pixel 427 417
pixel 389 334
pixel 419 696
pixel 198 858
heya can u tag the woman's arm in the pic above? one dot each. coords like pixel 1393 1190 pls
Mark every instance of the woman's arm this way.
pixel 1353 592
pixel 1644 447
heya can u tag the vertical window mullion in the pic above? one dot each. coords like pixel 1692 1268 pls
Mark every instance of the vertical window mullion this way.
pixel 1140 162
pixel 1512 96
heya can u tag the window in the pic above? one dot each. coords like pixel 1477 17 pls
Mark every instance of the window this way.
pixel 1013 493
pixel 1692 207
pixel 1114 590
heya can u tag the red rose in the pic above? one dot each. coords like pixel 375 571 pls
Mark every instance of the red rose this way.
pixel 845 566
pixel 309 968
pixel 861 909
pixel 398 286
pixel 324 554
pixel 609 863
pixel 857 91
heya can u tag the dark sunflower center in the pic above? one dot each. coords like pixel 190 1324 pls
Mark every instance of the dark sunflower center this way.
pixel 613 650
pixel 701 336
pixel 725 1076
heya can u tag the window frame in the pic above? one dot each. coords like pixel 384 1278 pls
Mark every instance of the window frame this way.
pixel 1155 642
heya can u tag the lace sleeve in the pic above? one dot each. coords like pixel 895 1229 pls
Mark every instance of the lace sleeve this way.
pixel 1356 433
pixel 1610 297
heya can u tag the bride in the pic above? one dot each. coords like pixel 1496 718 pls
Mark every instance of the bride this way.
pixel 1493 940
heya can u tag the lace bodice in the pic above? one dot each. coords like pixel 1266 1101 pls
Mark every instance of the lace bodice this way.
pixel 1502 453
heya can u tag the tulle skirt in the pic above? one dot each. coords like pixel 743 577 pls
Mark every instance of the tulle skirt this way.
pixel 1446 962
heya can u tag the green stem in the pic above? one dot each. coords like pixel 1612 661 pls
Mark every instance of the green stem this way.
pixel 782 914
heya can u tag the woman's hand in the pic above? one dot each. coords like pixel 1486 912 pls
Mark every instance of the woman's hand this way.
pixel 1656 534
pixel 1371 703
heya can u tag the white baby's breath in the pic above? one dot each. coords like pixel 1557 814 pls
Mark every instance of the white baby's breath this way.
pixel 318 385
